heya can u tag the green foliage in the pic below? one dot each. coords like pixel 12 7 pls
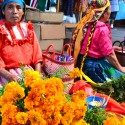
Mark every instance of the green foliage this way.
pixel 61 72
pixel 20 104
pixel 2 90
pixel 95 116
pixel 114 87
pixel 69 98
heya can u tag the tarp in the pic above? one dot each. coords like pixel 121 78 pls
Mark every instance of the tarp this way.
pixel 121 13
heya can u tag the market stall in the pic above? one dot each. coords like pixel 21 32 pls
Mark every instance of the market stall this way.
pixel 41 101
pixel 65 95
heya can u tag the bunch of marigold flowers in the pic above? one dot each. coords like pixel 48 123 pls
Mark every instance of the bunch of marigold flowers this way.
pixel 37 101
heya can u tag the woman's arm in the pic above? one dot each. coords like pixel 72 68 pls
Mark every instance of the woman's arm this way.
pixel 38 67
pixel 8 76
pixel 117 48
pixel 114 61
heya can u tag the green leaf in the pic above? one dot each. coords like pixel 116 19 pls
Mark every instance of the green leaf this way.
pixel 43 96
pixel 114 86
pixel 20 104
pixel 61 72
pixel 95 116
pixel 69 98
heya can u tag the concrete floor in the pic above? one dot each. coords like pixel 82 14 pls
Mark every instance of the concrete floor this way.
pixel 118 33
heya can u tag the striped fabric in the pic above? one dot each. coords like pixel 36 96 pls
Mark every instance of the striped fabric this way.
pixel 98 69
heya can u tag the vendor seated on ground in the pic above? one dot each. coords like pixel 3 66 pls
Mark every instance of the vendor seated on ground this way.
pixel 101 62
pixel 18 42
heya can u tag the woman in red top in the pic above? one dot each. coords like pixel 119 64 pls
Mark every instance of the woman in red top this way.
pixel 18 42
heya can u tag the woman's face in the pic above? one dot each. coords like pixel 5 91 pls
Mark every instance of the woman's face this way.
pixel 107 14
pixel 13 12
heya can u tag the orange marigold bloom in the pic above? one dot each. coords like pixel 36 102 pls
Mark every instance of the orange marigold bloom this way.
pixel 79 122
pixel 35 118
pixel 67 118
pixel 39 86
pixel 53 86
pixel 79 95
pixel 22 117
pixel 69 107
pixel 13 92
pixel 8 113
pixel 40 102
pixel 31 77
pixel 122 121
pixel 75 73
pixel 112 120
pixel 3 100
pixel 80 109
pixel 32 100
pixel 56 118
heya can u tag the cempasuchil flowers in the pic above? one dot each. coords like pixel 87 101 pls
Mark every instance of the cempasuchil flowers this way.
pixel 37 101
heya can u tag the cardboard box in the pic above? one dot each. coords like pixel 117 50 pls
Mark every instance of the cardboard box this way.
pixel 38 16
pixel 32 15
pixel 52 31
pixel 37 30
pixel 58 44
pixel 51 17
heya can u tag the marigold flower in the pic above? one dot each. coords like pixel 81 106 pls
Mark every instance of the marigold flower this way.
pixel 79 95
pixel 122 122
pixel 35 118
pixel 80 109
pixel 75 73
pixel 79 122
pixel 112 120
pixel 53 86
pixel 13 92
pixel 8 113
pixel 31 77
pixel 40 102
pixel 22 117
pixel 33 99
pixel 69 107
pixel 67 118
pixel 39 87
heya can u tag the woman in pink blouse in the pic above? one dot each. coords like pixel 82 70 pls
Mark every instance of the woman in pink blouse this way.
pixel 95 48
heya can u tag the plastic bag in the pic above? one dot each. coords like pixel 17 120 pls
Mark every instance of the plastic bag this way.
pixel 82 85
pixel 112 105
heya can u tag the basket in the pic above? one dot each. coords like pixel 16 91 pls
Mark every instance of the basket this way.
pixel 55 62
pixel 120 54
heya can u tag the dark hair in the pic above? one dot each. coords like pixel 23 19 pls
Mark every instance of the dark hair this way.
pixel 105 11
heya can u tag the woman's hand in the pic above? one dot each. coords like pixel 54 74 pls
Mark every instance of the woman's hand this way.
pixel 117 48
pixel 8 76
pixel 123 69
pixel 11 77
pixel 114 61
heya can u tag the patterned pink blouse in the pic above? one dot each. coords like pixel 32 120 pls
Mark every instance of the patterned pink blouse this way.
pixel 101 44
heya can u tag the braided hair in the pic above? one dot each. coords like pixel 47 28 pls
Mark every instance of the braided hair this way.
pixel 89 42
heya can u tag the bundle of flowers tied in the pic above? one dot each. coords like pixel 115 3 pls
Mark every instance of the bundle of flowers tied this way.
pixel 37 101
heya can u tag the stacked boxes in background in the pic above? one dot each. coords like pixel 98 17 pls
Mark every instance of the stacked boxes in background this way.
pixel 52 34
pixel 49 28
